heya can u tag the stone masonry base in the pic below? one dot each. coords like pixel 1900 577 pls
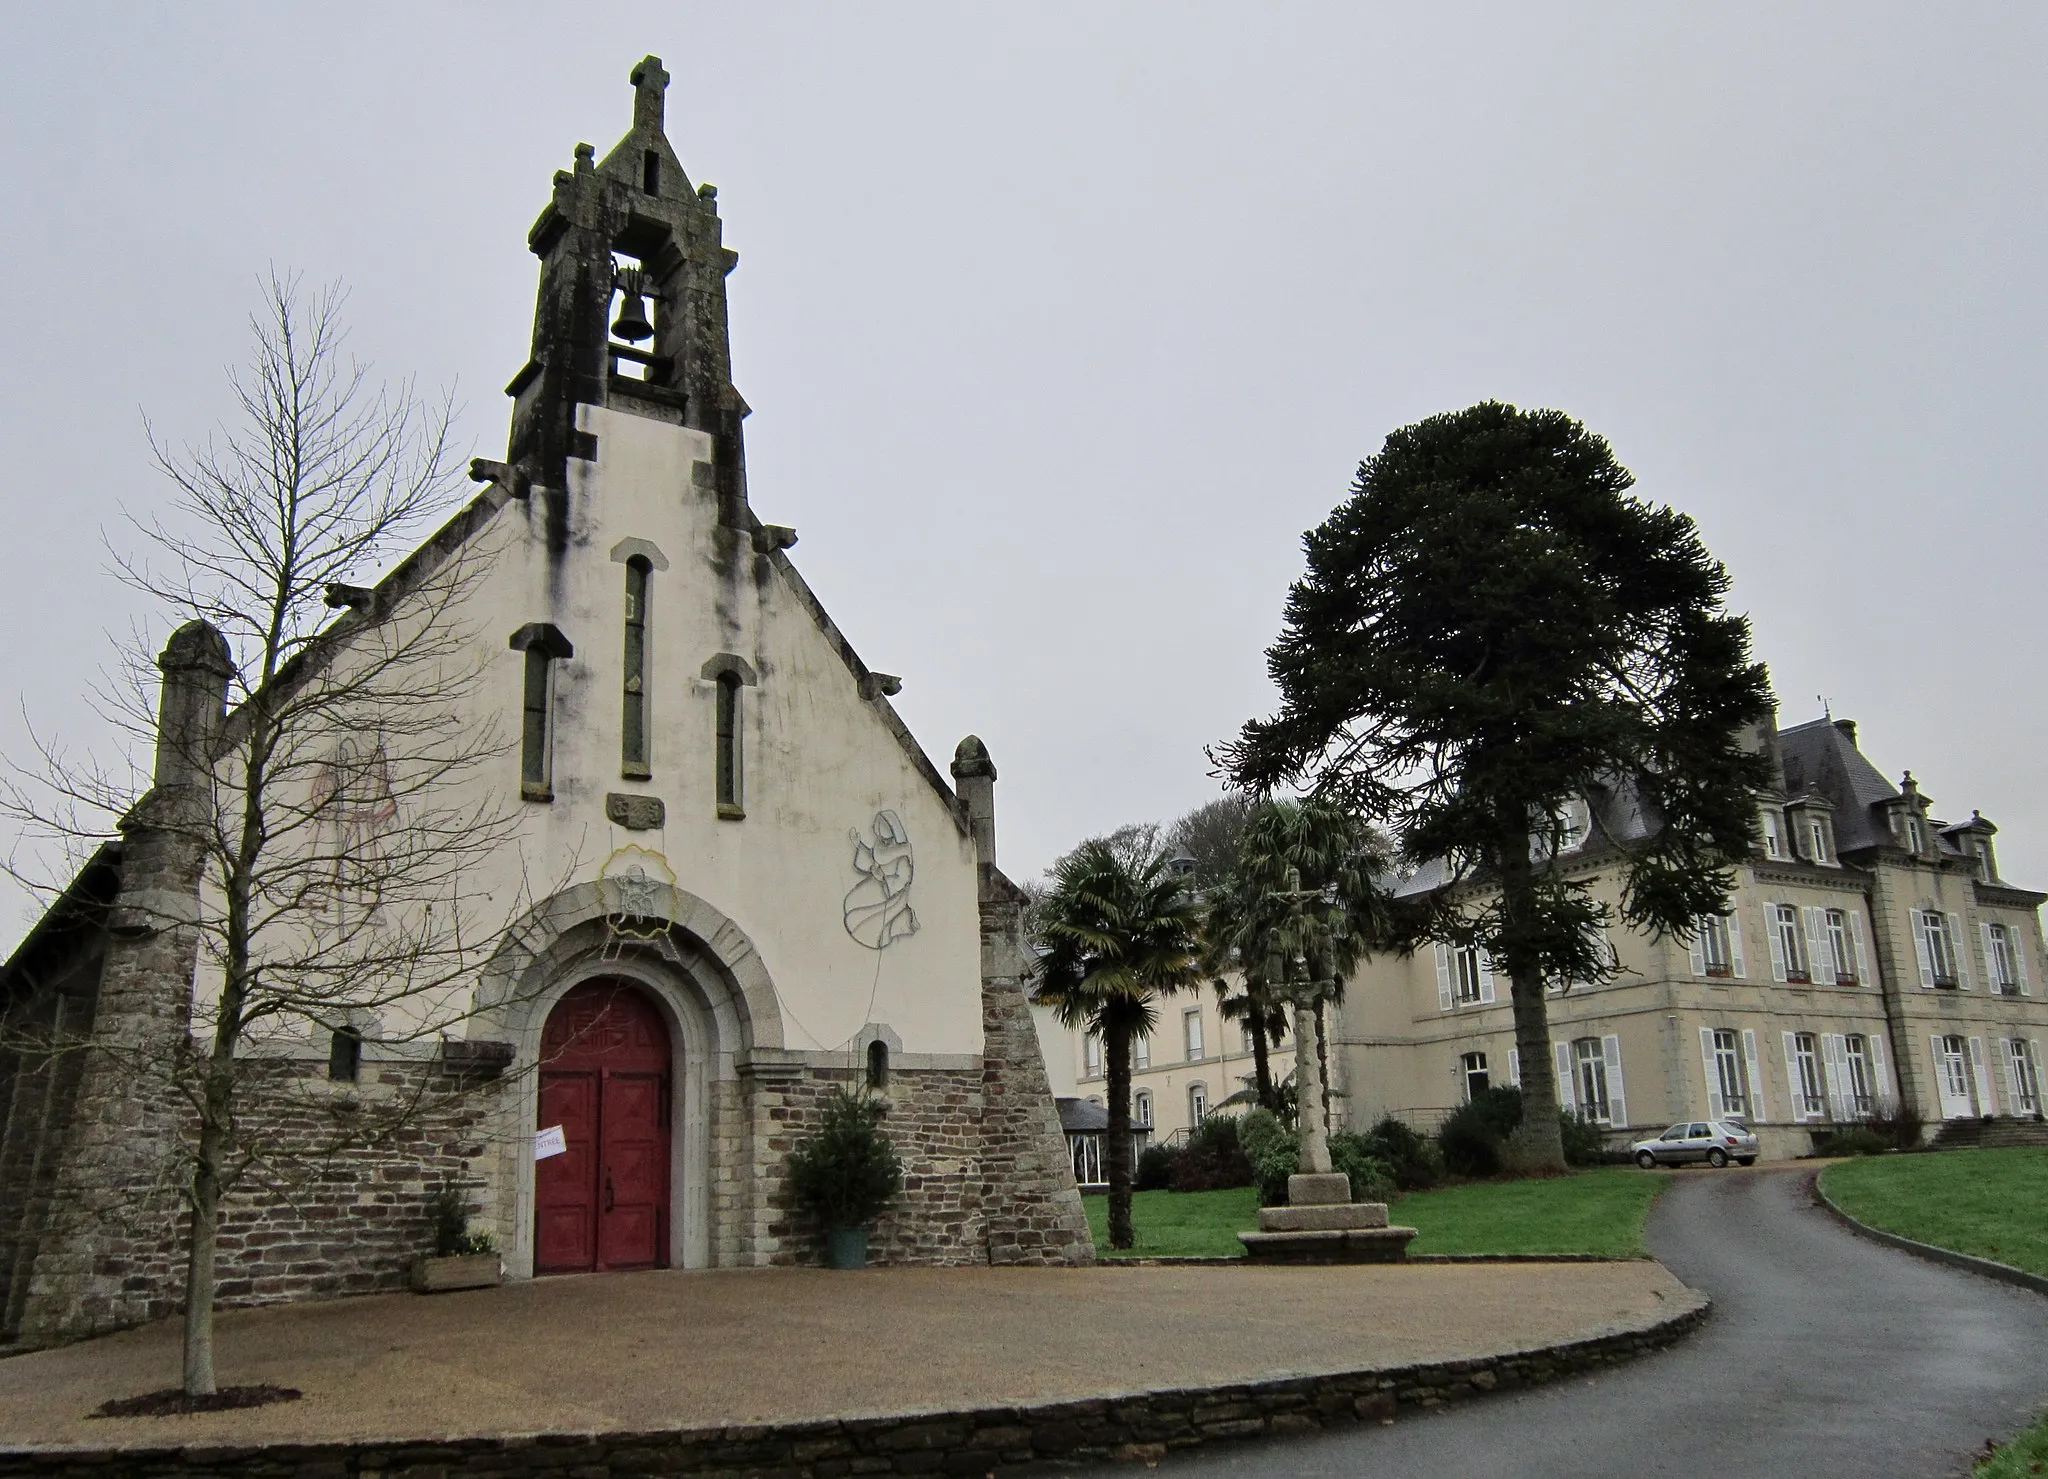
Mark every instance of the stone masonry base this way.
pixel 1142 1426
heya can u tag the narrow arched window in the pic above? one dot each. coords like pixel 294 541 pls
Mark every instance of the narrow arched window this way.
pixel 536 779
pixel 878 1064
pixel 731 801
pixel 633 761
pixel 345 1055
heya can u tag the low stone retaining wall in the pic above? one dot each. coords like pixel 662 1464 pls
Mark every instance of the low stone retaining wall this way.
pixel 1132 1426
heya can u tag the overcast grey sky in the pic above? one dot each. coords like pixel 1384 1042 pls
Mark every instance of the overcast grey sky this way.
pixel 1062 322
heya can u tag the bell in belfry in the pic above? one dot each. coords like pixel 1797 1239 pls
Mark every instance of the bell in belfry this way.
pixel 632 325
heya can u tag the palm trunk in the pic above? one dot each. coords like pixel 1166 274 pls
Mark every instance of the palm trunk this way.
pixel 1116 1155
pixel 1262 1054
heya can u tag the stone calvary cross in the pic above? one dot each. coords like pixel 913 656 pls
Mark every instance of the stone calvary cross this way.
pixel 1320 1223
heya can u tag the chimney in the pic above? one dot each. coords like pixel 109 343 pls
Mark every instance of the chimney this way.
pixel 1848 727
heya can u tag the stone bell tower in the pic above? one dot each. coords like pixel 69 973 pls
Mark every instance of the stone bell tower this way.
pixel 629 231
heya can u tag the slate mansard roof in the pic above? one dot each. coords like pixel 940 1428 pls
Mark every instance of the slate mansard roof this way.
pixel 1821 755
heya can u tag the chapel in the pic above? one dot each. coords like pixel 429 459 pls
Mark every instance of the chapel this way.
pixel 732 883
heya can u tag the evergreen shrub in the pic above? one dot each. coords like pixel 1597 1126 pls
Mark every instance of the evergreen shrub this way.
pixel 1212 1158
pixel 1410 1156
pixel 847 1172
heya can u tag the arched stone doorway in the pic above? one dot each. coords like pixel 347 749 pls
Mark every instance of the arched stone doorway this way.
pixel 605 1082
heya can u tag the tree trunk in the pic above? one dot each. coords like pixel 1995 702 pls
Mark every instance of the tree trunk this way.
pixel 199 1257
pixel 1537 1144
pixel 1116 1153
pixel 1262 1054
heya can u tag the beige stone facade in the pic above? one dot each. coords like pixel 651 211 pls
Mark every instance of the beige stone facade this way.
pixel 1874 955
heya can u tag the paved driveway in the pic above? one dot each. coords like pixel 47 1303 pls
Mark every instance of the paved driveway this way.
pixel 1826 1355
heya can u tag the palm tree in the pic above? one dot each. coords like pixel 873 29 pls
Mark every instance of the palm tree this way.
pixel 1301 845
pixel 1239 918
pixel 1116 933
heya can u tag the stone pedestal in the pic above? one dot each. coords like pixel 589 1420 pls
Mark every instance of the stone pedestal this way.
pixel 1321 1224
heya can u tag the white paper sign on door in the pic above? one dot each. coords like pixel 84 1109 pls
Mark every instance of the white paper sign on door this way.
pixel 549 1142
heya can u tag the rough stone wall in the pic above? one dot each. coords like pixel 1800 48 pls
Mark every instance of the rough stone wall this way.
pixel 112 1198
pixel 1031 1206
pixel 331 1217
pixel 934 1120
pixel 39 1082
pixel 349 1219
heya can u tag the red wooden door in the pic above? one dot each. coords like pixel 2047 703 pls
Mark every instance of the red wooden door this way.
pixel 603 1203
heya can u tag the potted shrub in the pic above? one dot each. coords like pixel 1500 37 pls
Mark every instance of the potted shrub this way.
pixel 846 1174
pixel 461 1259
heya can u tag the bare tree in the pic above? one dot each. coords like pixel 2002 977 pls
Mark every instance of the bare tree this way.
pixel 337 802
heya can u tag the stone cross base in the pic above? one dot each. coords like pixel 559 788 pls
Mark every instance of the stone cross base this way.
pixel 1321 1224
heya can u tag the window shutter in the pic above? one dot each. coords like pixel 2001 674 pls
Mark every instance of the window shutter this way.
pixel 1954 925
pixel 1880 1083
pixel 1980 1070
pixel 1792 1079
pixel 1777 942
pixel 2017 934
pixel 1443 978
pixel 2034 1052
pixel 1697 952
pixel 1617 1099
pixel 1715 1107
pixel 1486 996
pixel 1918 919
pixel 1515 1067
pixel 1856 933
pixel 1834 1062
pixel 2008 1056
pixel 1990 961
pixel 1561 1055
pixel 1757 1112
pixel 1735 945
pixel 1819 957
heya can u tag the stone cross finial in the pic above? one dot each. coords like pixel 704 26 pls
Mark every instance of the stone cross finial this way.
pixel 650 83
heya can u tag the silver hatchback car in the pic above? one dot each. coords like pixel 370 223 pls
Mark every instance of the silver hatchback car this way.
pixel 1714 1141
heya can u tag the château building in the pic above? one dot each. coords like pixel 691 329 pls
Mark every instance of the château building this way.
pixel 1874 955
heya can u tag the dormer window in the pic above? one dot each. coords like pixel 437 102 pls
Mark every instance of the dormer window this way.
pixel 1774 834
pixel 1819 846
pixel 1916 840
pixel 1987 869
pixel 1574 822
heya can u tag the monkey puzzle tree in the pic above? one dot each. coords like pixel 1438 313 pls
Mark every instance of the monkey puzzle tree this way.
pixel 1116 932
pixel 1491 628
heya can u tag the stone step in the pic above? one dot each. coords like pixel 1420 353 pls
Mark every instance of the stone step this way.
pixel 1323 1219
pixel 1336 1245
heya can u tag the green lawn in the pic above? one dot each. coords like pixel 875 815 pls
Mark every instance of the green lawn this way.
pixel 1598 1211
pixel 1180 1224
pixel 2023 1458
pixel 1983 1202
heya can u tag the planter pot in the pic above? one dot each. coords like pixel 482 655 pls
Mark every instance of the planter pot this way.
pixel 846 1247
pixel 463 1271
